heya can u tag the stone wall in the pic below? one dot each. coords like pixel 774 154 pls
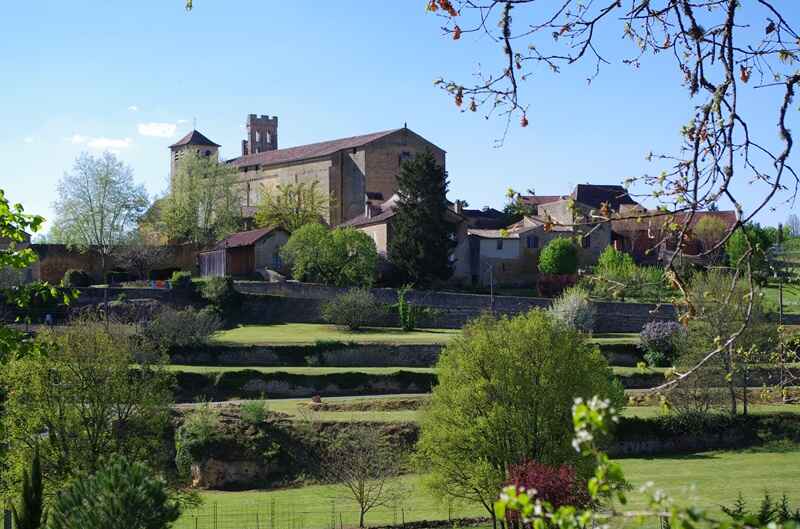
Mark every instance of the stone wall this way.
pixel 302 301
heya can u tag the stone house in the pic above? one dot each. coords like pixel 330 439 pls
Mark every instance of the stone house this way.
pixel 345 169
pixel 376 221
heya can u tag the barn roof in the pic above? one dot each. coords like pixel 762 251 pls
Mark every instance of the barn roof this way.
pixel 244 238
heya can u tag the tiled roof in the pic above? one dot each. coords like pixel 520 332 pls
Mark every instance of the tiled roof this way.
pixel 193 138
pixel 594 195
pixel 243 238
pixel 536 200
pixel 489 218
pixel 305 152
pixel 377 214
pixel 493 234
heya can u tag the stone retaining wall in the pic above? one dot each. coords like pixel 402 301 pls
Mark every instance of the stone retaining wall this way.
pixel 302 302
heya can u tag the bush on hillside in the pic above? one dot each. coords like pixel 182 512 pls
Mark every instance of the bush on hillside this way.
pixel 660 341
pixel 558 485
pixel 559 256
pixel 354 309
pixel 221 294
pixel 505 393
pixel 181 280
pixel 574 309
pixel 76 279
pixel 180 328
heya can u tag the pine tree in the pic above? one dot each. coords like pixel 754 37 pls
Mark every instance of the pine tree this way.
pixel 31 507
pixel 422 238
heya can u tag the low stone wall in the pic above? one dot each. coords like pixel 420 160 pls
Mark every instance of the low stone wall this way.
pixel 303 301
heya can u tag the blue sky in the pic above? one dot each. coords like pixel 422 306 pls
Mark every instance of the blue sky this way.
pixel 132 76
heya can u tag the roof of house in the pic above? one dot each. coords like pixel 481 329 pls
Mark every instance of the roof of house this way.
pixel 194 138
pixel 536 200
pixel 244 238
pixel 493 234
pixel 305 152
pixel 595 195
pixel 487 218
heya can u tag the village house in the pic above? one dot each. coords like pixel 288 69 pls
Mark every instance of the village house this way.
pixel 245 254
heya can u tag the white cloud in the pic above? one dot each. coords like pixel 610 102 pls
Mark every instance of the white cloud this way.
pixel 29 139
pixel 158 130
pixel 133 108
pixel 182 121
pixel 109 143
pixel 77 139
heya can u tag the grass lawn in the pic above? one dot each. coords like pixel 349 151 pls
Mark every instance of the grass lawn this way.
pixel 310 333
pixel 718 477
pixel 791 298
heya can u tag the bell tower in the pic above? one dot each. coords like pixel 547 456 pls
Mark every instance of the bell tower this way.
pixel 262 134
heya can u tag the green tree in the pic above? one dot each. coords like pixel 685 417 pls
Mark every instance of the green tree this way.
pixel 30 514
pixel 422 238
pixel 98 204
pixel 710 231
pixel 722 313
pixel 559 256
pixel 83 391
pixel 291 206
pixel 506 388
pixel 204 204
pixel 120 494
pixel 756 241
pixel 339 257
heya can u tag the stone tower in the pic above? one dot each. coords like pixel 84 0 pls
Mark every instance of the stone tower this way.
pixel 262 134
pixel 194 140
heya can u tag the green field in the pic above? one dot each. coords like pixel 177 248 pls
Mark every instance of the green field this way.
pixel 310 333
pixel 717 478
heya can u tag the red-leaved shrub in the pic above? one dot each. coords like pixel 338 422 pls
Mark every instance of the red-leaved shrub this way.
pixel 556 485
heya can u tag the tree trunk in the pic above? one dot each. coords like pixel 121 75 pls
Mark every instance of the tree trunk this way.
pixel 731 382
pixel 361 519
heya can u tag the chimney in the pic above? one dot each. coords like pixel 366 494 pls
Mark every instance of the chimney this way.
pixel 459 207
pixel 244 148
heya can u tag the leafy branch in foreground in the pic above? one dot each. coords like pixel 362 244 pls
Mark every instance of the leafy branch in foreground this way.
pixel 608 488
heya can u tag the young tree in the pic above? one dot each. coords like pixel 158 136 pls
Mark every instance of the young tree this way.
pixel 422 238
pixel 291 206
pixel 204 204
pixel 709 231
pixel 506 388
pixel 363 461
pixel 30 514
pixel 559 256
pixel 84 393
pixel 139 257
pixel 98 204
pixel 748 249
pixel 120 494
pixel 339 257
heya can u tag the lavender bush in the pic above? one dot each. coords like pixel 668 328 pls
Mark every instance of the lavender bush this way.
pixel 660 340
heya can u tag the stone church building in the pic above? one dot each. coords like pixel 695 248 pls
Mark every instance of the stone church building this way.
pixel 349 170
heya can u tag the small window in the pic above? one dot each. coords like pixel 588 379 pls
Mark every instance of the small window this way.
pixel 499 244
pixel 207 153
pixel 404 157
pixel 585 242
pixel 533 241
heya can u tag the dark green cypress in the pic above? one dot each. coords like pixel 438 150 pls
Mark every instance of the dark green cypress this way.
pixel 422 239
pixel 31 506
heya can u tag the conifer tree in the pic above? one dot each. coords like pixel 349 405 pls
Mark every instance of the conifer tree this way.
pixel 30 514
pixel 422 238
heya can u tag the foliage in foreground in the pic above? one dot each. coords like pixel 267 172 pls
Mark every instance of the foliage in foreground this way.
pixel 609 487
pixel 120 494
pixel 291 206
pixel 504 396
pixel 83 391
